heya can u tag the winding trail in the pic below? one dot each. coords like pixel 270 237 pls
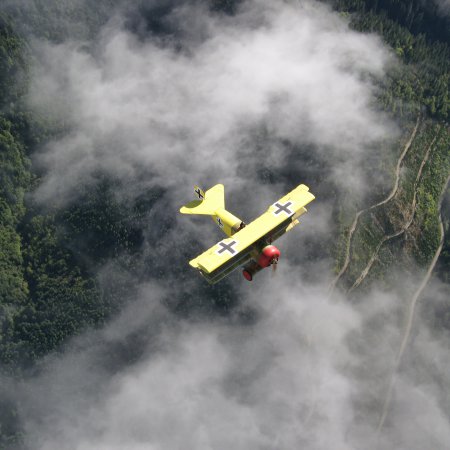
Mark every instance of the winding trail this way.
pixel 366 270
pixel 389 197
pixel 411 311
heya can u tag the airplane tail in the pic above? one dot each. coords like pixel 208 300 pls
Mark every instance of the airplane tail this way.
pixel 209 202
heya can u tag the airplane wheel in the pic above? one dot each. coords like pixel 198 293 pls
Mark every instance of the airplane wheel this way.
pixel 247 275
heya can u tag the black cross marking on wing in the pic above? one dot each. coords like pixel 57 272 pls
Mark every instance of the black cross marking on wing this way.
pixel 199 193
pixel 283 208
pixel 227 247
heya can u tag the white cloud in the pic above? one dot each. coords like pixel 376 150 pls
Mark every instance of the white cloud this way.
pixel 274 384
pixel 187 114
pixel 288 368
pixel 307 371
pixel 443 5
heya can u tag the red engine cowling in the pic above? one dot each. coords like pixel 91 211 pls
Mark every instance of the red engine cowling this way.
pixel 268 256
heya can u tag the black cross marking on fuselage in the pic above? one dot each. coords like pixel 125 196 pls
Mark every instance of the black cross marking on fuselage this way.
pixel 199 193
pixel 219 221
pixel 227 247
pixel 283 208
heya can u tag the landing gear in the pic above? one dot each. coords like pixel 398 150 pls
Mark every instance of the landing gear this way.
pixel 247 275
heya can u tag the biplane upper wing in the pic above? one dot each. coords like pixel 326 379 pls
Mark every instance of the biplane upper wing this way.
pixel 230 253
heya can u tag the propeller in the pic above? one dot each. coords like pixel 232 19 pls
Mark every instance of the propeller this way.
pixel 274 265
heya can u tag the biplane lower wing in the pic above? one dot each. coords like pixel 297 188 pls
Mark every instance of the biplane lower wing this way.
pixel 228 254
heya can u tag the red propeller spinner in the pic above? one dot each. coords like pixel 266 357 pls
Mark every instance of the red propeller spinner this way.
pixel 269 256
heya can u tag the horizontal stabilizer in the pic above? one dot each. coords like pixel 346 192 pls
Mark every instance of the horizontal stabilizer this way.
pixel 214 199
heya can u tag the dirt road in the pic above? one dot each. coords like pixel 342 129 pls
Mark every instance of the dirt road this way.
pixel 410 314
pixel 382 202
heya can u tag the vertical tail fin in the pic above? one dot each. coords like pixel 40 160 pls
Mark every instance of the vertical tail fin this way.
pixel 209 202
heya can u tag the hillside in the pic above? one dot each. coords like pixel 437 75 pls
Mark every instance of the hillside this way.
pixel 402 229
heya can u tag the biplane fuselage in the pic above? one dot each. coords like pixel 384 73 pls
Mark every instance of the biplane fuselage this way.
pixel 247 245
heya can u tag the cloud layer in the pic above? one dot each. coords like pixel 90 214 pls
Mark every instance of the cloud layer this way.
pixel 270 385
pixel 444 6
pixel 307 372
pixel 284 87
pixel 190 114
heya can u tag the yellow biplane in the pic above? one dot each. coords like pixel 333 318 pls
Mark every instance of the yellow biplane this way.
pixel 249 245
